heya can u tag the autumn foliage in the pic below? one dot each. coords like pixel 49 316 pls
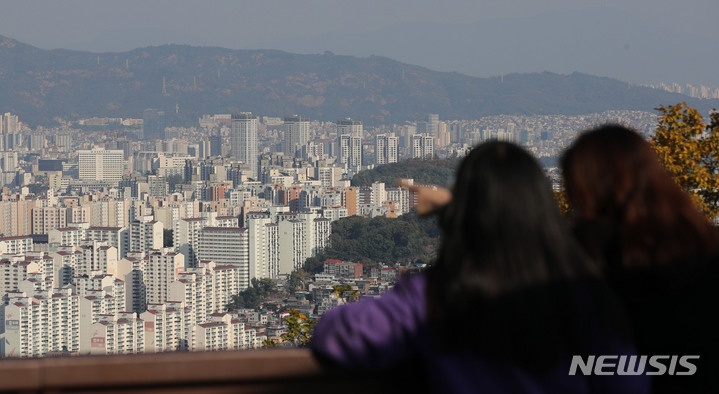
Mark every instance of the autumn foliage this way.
pixel 689 149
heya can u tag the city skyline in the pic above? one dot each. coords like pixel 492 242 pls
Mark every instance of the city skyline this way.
pixel 118 241
pixel 140 222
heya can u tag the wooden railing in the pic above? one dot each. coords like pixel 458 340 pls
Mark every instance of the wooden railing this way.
pixel 250 371
pixel 204 372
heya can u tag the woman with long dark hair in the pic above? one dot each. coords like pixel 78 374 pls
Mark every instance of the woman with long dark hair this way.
pixel 510 300
pixel 656 248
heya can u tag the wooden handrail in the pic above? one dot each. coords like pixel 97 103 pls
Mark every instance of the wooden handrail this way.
pixel 231 371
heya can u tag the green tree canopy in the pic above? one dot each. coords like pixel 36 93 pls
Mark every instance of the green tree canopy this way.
pixel 379 240
pixel 253 297
pixel 298 281
pixel 167 240
pixel 299 329
pixel 428 172
pixel 346 292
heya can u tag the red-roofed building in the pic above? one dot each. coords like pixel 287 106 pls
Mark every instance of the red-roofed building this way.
pixel 343 269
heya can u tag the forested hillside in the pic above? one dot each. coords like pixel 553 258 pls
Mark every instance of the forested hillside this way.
pixel 380 240
pixel 434 172
pixel 41 85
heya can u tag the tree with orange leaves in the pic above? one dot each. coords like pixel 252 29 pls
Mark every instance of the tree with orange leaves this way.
pixel 299 328
pixel 689 149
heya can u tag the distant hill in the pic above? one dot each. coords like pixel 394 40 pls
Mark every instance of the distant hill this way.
pixel 379 240
pixel 426 172
pixel 40 85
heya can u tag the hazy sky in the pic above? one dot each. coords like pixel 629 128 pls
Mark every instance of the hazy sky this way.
pixel 119 25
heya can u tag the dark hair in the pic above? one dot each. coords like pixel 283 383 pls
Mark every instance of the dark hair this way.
pixel 613 176
pixel 505 279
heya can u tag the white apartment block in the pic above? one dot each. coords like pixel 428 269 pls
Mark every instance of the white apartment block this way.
pixel 14 272
pixel 350 152
pixel 214 335
pixel 378 195
pixel 27 325
pixel 328 176
pixel 191 288
pixel 145 236
pixel 291 239
pixel 386 147
pixel 192 291
pixel 15 245
pixel 227 281
pixel 90 315
pixel 113 288
pixel 132 271
pixel 117 237
pixel 172 210
pixel 45 219
pixel 334 213
pixel 243 138
pixel 64 263
pixel 78 214
pixel 122 333
pixel 9 123
pixel 8 160
pixel 161 269
pixel 186 238
pixel 263 245
pixel 111 212
pixel 171 165
pixel 297 134
pixel 65 236
pixel 15 218
pixel 227 221
pixel 101 165
pixel 322 228
pixel 294 244
pixel 60 320
pixel 350 127
pixel 95 257
pixel 35 282
pixel 422 146
pixel 330 198
pixel 401 197
pixel 227 246
pixel 297 239
pixel 349 141
pixel 164 327
pixel 45 265
pixel 203 300
pixel 92 306
pixel 225 332
pixel 65 320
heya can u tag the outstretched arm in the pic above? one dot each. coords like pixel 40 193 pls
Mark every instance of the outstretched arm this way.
pixel 429 198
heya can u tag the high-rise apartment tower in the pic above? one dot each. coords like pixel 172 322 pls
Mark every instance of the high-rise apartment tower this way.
pixel 244 139
pixel 349 141
pixel 297 134
pixel 386 148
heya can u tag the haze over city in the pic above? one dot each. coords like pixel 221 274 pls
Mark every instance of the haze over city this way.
pixel 627 40
pixel 180 176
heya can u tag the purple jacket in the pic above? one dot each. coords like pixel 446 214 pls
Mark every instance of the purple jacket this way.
pixel 383 332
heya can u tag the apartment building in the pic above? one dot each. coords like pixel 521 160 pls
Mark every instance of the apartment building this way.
pixel 162 267
pixel 145 235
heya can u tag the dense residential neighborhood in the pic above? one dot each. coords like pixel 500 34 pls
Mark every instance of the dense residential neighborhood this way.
pixel 131 236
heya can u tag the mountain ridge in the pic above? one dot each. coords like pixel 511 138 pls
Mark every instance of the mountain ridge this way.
pixel 40 85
